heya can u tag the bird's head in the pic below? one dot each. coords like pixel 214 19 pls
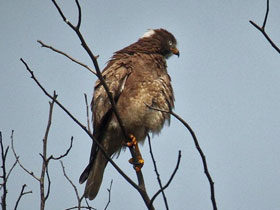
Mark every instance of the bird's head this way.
pixel 165 42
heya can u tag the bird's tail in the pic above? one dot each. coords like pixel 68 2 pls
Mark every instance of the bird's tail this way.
pixel 95 176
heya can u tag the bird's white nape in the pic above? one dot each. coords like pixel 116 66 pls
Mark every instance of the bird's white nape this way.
pixel 149 33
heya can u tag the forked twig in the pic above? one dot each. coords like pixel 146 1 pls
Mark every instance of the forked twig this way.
pixel 79 199
pixel 17 159
pixel 262 28
pixel 22 193
pixel 66 55
pixel 65 154
pixel 4 175
pixel 109 192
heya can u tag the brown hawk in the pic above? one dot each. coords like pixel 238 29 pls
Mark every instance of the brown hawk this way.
pixel 137 78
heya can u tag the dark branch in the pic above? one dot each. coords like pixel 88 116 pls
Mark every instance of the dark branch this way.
pixel 157 173
pixel 4 176
pixel 79 199
pixel 49 184
pixel 81 207
pixel 66 55
pixel 10 171
pixel 262 29
pixel 44 170
pixel 65 154
pixel 17 159
pixel 80 15
pixel 266 14
pixel 87 110
pixel 22 193
pixel 109 192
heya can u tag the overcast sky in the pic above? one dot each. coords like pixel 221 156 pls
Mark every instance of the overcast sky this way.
pixel 226 85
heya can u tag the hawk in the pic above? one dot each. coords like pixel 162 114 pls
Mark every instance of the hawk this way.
pixel 137 78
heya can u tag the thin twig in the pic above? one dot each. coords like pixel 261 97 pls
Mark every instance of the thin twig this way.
pixel 66 55
pixel 3 157
pixel 49 183
pixel 22 193
pixel 10 171
pixel 157 173
pixel 17 158
pixel 87 203
pixel 44 170
pixel 109 192
pixel 65 154
pixel 82 207
pixel 262 29
pixel 79 199
pixel 80 15
pixel 266 14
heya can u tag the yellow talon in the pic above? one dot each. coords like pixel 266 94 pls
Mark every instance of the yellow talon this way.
pixel 139 160
pixel 132 142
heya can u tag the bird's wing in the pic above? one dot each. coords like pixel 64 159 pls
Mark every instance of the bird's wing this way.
pixel 115 76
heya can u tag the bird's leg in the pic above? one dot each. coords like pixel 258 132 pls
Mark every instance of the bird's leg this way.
pixel 140 162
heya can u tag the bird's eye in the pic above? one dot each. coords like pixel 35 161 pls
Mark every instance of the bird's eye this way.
pixel 170 43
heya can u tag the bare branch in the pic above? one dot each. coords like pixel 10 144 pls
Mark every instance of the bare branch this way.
pixel 82 207
pixel 45 162
pixel 79 199
pixel 22 193
pixel 262 29
pixel 17 158
pixel 157 173
pixel 49 183
pixel 266 14
pixel 3 157
pixel 109 192
pixel 10 171
pixel 65 154
pixel 80 14
pixel 66 55
pixel 87 204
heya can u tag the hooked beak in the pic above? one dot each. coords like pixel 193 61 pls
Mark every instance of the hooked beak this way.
pixel 175 51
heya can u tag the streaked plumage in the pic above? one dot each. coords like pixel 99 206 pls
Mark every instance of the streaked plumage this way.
pixel 136 76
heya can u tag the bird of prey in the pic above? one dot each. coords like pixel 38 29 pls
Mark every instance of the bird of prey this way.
pixel 137 78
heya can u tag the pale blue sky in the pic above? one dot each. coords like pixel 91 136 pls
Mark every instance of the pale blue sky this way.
pixel 226 85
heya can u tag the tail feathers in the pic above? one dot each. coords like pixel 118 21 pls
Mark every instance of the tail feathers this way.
pixel 85 173
pixel 95 176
